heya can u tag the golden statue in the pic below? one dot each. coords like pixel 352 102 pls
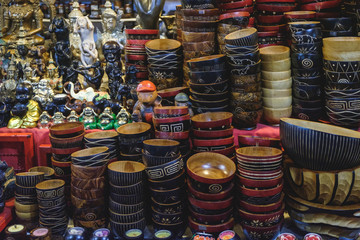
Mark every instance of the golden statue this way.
pixel 26 11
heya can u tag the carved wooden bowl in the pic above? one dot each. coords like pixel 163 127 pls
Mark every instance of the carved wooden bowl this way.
pixel 85 172
pixel 322 142
pixel 165 171
pixel 168 207
pixel 207 63
pixel 213 134
pixel 66 130
pixel 125 208
pixel 71 142
pixel 172 124
pixel 87 194
pixel 88 184
pixel 161 147
pixel 133 130
pixel 48 171
pixel 90 154
pixel 247 140
pixel 125 172
pixel 210 218
pixel 219 120
pixel 328 188
pixel 50 189
pixel 29 179
pixel 101 138
pixel 261 232
pixel 168 184
pixel 124 218
pixel 177 229
pixel 170 111
pixel 157 45
pixel 210 196
pixel 207 77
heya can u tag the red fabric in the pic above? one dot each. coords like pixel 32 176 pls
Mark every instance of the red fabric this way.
pixel 6 215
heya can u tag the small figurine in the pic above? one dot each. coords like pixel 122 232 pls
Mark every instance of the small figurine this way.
pixel 182 100
pixel 54 81
pixel 44 93
pixel 87 94
pixel 26 112
pixel 60 28
pixel 89 53
pixel 92 74
pixel 58 118
pixel 44 120
pixel 69 74
pixel 147 100
pixel 123 117
pixel 63 54
pixel 106 119
pixel 74 36
pixel 131 81
pixel 89 118
pixel 149 13
pixel 73 117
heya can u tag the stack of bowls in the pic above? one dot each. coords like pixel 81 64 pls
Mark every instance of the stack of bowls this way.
pixel 173 122
pixel 198 30
pixel 212 132
pixel 135 53
pixel 88 187
pixel 26 205
pixel 48 171
pixel 259 183
pixel 131 136
pixel 65 139
pixel 275 61
pixel 323 9
pixel 244 61
pixel 209 84
pixel 210 194
pixel 337 27
pixel 307 69
pixel 342 73
pixel 322 171
pixel 236 6
pixel 228 23
pixel 299 16
pixel 107 139
pixel 52 205
pixel 166 177
pixel 126 203
pixel 165 62
pixel 352 8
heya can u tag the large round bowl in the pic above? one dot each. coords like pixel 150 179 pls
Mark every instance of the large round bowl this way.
pixel 211 168
pixel 125 172
pixel 319 146
pixel 211 120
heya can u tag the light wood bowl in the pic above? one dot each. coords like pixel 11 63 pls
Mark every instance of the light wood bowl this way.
pixel 342 44
pixel 276 76
pixel 276 66
pixel 280 84
pixel 274 53
pixel 270 93
pixel 277 102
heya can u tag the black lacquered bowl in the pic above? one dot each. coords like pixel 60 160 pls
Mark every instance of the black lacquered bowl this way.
pixel 313 35
pixel 318 149
pixel 150 160
pixel 307 92
pixel 336 24
pixel 166 170
pixel 209 104
pixel 207 77
pixel 198 4
pixel 161 147
pixel 308 80
pixel 307 103
pixel 342 77
pixel 127 199
pixel 343 118
pixel 204 63
pixel 209 97
pixel 245 58
pixel 168 184
pixel 240 50
pixel 311 113
pixel 213 88
pixel 307 73
pixel 168 196
pixel 338 66
pixel 306 61
pixel 199 110
pixel 168 207
pixel 314 48
pixel 125 208
pixel 240 70
pixel 343 103
pixel 334 93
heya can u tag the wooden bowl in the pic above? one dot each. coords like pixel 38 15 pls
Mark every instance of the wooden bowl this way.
pixel 276 76
pixel 211 168
pixel 26 207
pixel 213 134
pixel 124 218
pixel 170 111
pixel 163 45
pixel 101 138
pixel 91 154
pixel 164 217
pixel 323 136
pixel 87 194
pixel 65 130
pixel 172 135
pixel 24 191
pixel 210 196
pixel 341 44
pixel 29 179
pixel 259 153
pixel 165 171
pixel 85 172
pixel 137 188
pixel 125 208
pixel 211 219
pixel 281 84
pixel 48 171
pixel 197 36
pixel 27 216
pixel 172 124
pixel 253 208
pixel 267 218
pixel 52 203
pixel 276 92
pixel 277 102
pixel 243 37
pixel 207 77
pixel 209 97
pixel 323 187
pixel 150 160
pixel 199 64
pixel 133 130
pixel 168 207
pixel 274 53
pixel 213 144
pixel 76 141
pixel 124 173
pixel 168 184
pixel 261 232
pixel 82 203
pixel 161 147
pixel 127 199
pixel 50 189
pixel 177 229
pixel 276 66
pixel 211 228
pixel 273 115
pixel 260 193
pixel 223 204
pixel 93 224
pixel 247 140
pixel 168 196
pixel 218 120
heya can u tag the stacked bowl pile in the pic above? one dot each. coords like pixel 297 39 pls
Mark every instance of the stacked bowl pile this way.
pixel 107 139
pixel 126 203
pixel 271 22
pixel 306 60
pixel 65 138
pixel 166 176
pixel 52 205
pixel 173 122
pixel 210 195
pixel 26 205
pixel 323 9
pixel 209 84
pixel 342 73
pixel 228 23
pixel 277 98
pixel 259 185
pixel 337 27
pixel 352 8
pixel 135 53
pixel 212 132
pixel 131 136
pixel 198 30
pixel 236 6
pixel 243 58
pixel 88 187
pixel 321 170
pixel 165 62
pixel 299 16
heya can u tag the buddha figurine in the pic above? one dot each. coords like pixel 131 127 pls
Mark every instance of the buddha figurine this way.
pixel 73 117
pixel 44 120
pixel 58 118
pixel 147 100
pixel 123 117
pixel 27 12
pixel 112 26
pixel 54 81
pixel 44 93
pixel 89 118
pixel 74 37
pixel 106 119
pixel 26 112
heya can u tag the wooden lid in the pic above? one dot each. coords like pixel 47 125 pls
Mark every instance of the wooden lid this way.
pixel 274 53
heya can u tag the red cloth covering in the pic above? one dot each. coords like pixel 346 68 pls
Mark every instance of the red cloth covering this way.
pixel 6 215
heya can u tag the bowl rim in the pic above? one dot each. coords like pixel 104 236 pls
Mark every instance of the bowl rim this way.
pixel 275 152
pixel 101 135
pixel 73 127
pixel 206 156
pixel 94 151
pixel 123 129
pixel 321 127
pixel 114 167
pixel 156 142
pixel 54 184
pixel 214 118
pixel 159 44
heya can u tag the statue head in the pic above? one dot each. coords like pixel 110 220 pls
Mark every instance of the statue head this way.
pixel 44 84
pixel 51 68
pixel 88 111
pixel 107 110
pixel 181 98
pixel 111 51
pixel 108 18
pixel 74 14
pixel 23 50
pixel 28 71
pixel 146 92
pixel 24 92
